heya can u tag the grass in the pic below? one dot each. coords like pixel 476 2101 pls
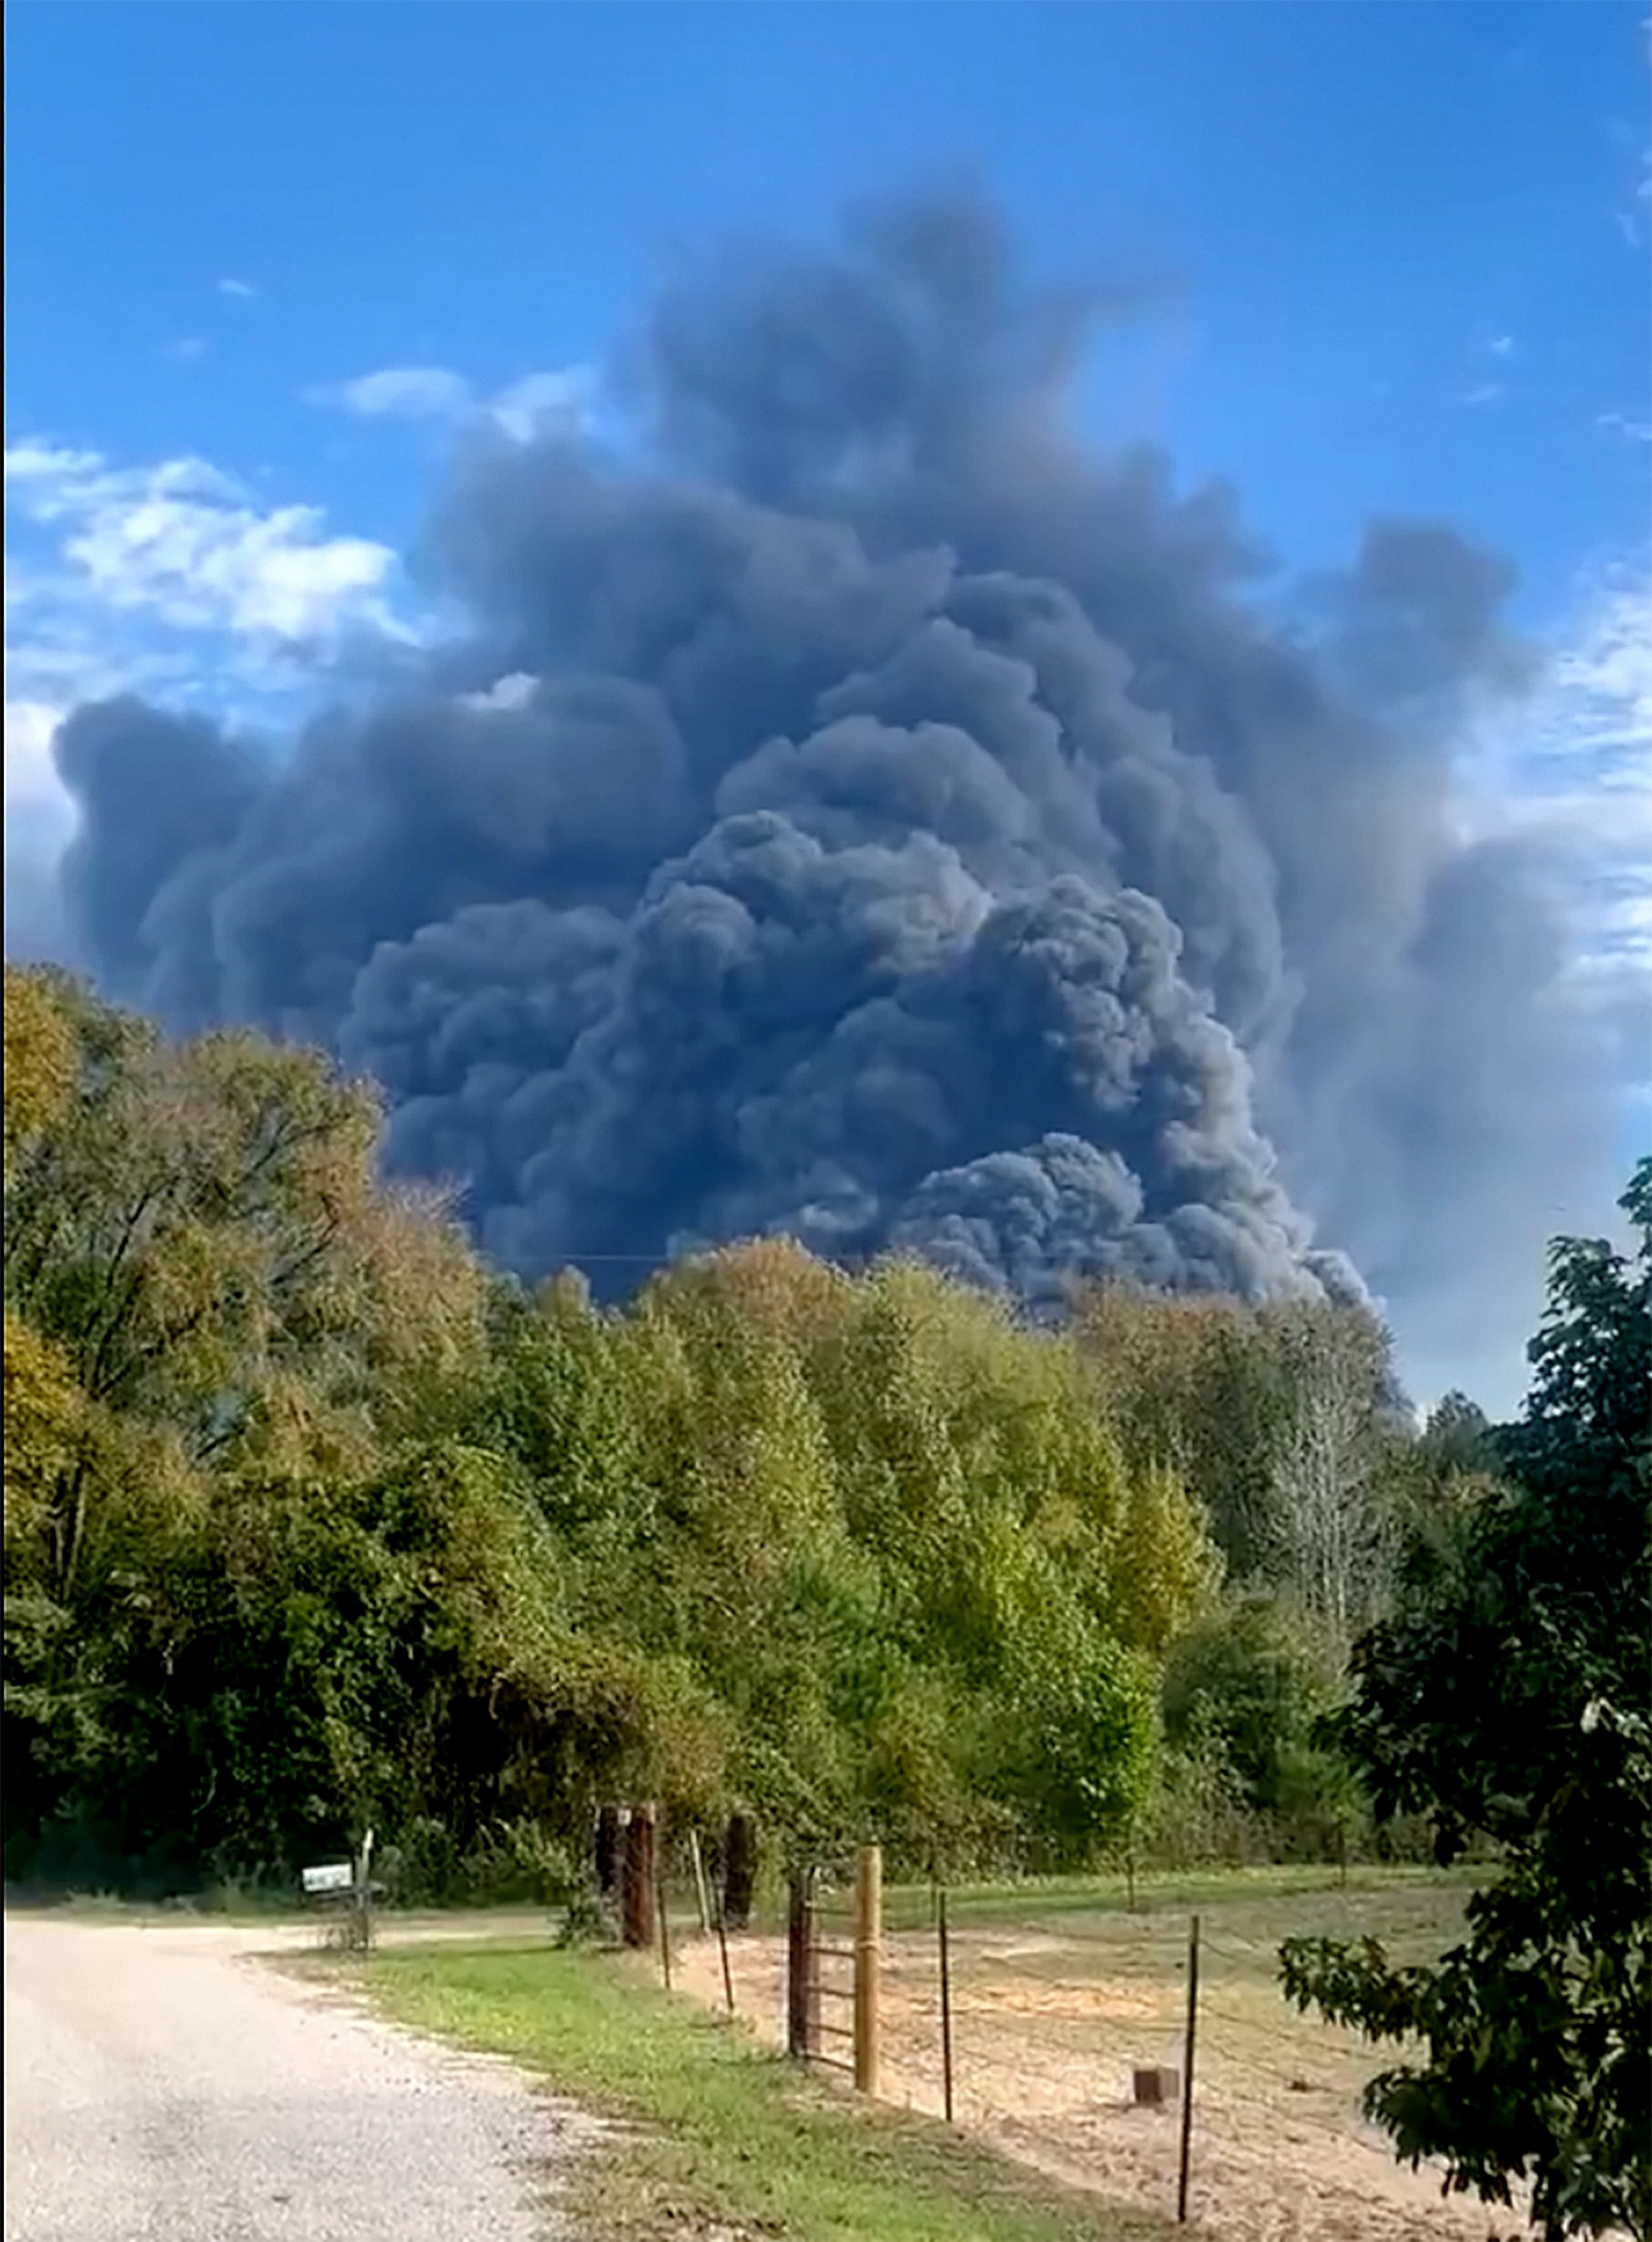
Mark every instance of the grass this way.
pixel 1273 1890
pixel 718 2137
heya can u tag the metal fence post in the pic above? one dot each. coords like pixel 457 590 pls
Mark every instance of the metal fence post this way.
pixel 1187 2070
pixel 702 1897
pixel 869 1939
pixel 946 2004
pixel 722 1950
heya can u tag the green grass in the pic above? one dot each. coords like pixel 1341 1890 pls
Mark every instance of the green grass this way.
pixel 1045 1900
pixel 719 2137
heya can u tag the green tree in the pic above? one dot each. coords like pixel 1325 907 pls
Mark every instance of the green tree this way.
pixel 1280 1420
pixel 39 1057
pixel 1251 1683
pixel 230 1355
pixel 1506 1697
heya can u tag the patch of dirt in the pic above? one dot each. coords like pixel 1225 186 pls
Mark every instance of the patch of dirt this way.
pixel 1042 2069
pixel 1025 2000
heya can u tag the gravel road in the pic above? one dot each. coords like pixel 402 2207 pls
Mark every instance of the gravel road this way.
pixel 161 2085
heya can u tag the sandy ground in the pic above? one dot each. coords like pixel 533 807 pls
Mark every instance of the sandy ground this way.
pixel 162 2086
pixel 1045 2039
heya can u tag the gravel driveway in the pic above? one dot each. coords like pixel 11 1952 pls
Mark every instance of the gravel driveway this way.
pixel 163 2086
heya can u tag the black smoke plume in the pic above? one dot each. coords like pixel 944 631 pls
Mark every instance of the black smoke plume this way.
pixel 868 813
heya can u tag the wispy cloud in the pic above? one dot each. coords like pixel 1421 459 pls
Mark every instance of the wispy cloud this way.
pixel 1484 392
pixel 1572 768
pixel 1637 432
pixel 400 393
pixel 242 288
pixel 519 410
pixel 1630 215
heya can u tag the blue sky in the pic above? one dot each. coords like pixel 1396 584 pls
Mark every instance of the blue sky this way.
pixel 258 255
pixel 1361 204
pixel 1409 238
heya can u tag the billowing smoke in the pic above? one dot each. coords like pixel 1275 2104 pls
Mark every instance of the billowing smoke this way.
pixel 868 814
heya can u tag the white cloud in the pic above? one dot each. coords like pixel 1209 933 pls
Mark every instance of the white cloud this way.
pixel 30 462
pixel 525 406
pixel 1488 393
pixel 1574 768
pixel 402 393
pixel 169 579
pixel 1502 346
pixel 40 824
pixel 513 691
pixel 1637 432
pixel 241 288
pixel 520 410
pixel 186 348
pixel 184 545
pixel 29 774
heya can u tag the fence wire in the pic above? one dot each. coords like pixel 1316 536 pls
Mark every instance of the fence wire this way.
pixel 1052 2018
pixel 1053 2012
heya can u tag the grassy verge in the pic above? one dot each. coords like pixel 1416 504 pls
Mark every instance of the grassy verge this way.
pixel 719 2138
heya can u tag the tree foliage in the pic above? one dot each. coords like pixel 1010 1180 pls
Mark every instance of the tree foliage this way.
pixel 1283 1421
pixel 312 1521
pixel 1507 1697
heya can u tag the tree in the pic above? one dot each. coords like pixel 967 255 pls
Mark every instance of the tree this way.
pixel 229 1355
pixel 1249 1682
pixel 1326 1525
pixel 200 1229
pixel 1506 1697
pixel 39 1057
pixel 1282 1421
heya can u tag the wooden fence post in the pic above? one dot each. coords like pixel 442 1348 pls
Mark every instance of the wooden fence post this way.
pixel 1187 2070
pixel 802 1969
pixel 641 1872
pixel 364 1895
pixel 607 1850
pixel 739 1871
pixel 869 1942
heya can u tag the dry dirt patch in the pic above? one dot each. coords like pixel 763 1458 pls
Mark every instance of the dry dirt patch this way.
pixel 1047 2029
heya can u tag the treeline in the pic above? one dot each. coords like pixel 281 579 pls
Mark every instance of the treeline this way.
pixel 312 1521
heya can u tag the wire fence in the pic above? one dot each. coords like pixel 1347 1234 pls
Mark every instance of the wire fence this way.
pixel 1061 2034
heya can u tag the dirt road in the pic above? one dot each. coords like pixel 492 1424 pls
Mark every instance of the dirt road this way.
pixel 161 2085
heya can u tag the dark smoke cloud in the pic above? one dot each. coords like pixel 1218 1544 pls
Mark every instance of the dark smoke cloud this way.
pixel 881 819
